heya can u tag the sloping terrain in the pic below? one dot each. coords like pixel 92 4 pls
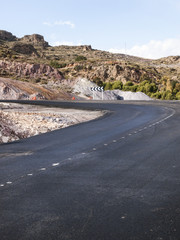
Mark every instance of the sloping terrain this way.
pixel 14 89
pixel 31 59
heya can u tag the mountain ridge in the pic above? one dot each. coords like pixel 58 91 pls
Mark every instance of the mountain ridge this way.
pixel 102 67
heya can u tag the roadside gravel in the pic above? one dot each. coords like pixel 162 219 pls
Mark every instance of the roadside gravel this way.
pixel 21 121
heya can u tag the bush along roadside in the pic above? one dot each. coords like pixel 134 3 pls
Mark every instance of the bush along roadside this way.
pixel 170 91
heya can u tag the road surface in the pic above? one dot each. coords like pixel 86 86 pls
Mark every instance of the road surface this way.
pixel 113 178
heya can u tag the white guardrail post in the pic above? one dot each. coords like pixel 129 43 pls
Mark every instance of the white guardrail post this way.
pixel 99 89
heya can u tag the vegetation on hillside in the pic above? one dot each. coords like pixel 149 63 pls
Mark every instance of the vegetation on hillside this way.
pixel 147 87
pixel 159 79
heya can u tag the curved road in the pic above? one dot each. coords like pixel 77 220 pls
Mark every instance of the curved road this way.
pixel 113 178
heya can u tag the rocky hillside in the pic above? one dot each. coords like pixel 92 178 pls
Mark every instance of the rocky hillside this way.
pixel 31 59
pixel 14 89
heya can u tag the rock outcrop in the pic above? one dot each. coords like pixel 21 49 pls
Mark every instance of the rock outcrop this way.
pixel 36 40
pixel 33 71
pixel 110 72
pixel 14 89
pixel 87 48
pixel 7 36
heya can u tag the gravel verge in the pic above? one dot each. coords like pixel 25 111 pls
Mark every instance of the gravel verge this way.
pixel 21 121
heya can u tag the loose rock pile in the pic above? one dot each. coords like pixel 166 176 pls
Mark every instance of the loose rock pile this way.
pixel 17 121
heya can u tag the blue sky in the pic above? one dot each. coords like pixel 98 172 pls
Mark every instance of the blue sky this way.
pixel 148 28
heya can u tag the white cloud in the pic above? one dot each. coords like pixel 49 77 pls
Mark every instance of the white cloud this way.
pixel 58 43
pixel 62 23
pixel 69 23
pixel 66 43
pixel 153 49
pixel 47 23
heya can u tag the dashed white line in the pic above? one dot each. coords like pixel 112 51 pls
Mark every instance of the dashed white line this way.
pixel 123 137
pixel 55 164
pixel 42 169
pixel 9 182
pixel 129 134
pixel 30 174
pixel 83 153
pixel 105 144
pixel 114 141
pixel 69 158
pixel 94 149
pixel 1 185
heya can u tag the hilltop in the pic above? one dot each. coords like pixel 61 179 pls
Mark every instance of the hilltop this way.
pixel 31 59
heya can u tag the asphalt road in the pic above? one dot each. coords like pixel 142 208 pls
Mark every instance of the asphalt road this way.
pixel 113 178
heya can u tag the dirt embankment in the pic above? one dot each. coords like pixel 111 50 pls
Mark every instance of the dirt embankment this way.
pixel 21 121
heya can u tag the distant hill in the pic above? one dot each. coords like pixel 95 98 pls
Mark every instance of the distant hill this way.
pixel 157 78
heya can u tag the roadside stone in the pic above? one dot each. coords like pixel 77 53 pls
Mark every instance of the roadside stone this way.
pixel 19 122
pixel 5 139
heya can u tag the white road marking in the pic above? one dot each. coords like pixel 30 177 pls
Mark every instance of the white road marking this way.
pixel 42 169
pixel 135 132
pixel 105 144
pixel 9 182
pixel 1 185
pixel 123 137
pixel 129 134
pixel 83 153
pixel 30 174
pixel 55 164
pixel 69 158
pixel 114 141
pixel 94 149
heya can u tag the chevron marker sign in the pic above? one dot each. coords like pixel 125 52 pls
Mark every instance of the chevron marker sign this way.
pixel 98 89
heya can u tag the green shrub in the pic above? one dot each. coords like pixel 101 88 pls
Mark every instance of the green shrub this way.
pixel 78 67
pixel 129 83
pixel 167 95
pixel 98 81
pixel 178 96
pixel 80 58
pixel 134 88
pixel 107 86
pixel 117 85
pixel 54 64
pixel 156 95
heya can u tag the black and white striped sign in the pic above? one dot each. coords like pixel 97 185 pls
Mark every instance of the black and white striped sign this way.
pixel 99 89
